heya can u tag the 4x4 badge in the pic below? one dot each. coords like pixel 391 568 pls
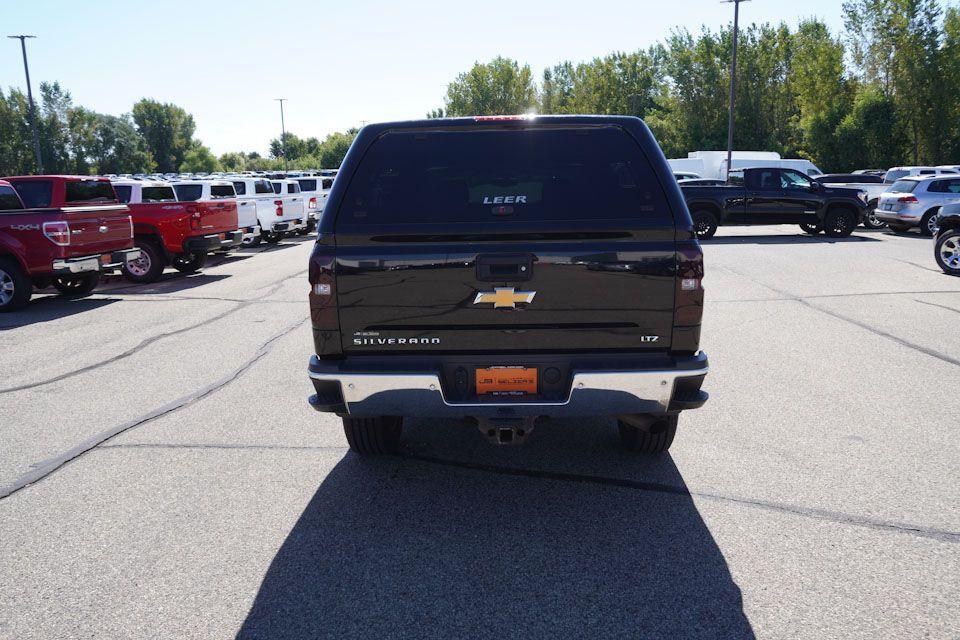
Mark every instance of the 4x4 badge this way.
pixel 505 298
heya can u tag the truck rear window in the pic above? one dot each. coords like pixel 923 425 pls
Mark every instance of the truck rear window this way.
pixel 308 185
pixel 240 187
pixel 508 175
pixel 158 194
pixel 9 199
pixel 219 191
pixel 327 183
pixel 263 186
pixel 124 192
pixel 35 194
pixel 188 192
pixel 88 191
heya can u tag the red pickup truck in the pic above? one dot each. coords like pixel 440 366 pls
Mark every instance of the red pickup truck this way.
pixel 61 231
pixel 176 233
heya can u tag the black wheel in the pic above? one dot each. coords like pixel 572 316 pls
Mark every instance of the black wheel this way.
pixel 928 224
pixel 871 221
pixel 704 223
pixel 79 285
pixel 656 439
pixel 271 237
pixel 304 231
pixel 148 267
pixel 947 251
pixel 839 223
pixel 15 286
pixel 189 262
pixel 373 436
pixel 252 242
pixel 812 229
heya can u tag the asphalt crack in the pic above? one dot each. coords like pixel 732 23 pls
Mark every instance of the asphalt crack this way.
pixel 273 288
pixel 655 487
pixel 51 465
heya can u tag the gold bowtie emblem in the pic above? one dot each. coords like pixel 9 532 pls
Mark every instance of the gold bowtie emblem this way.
pixel 504 298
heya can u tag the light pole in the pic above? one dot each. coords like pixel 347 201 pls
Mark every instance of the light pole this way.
pixel 283 134
pixel 733 81
pixel 33 116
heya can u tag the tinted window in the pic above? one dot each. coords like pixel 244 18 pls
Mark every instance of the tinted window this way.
pixel 218 191
pixel 277 187
pixel 240 187
pixel 263 186
pixel 124 192
pixel 765 179
pixel 188 192
pixel 89 191
pixel 34 193
pixel 794 180
pixel 327 184
pixel 478 176
pixel 9 199
pixel 904 186
pixel 308 185
pixel 158 194
pixel 945 186
pixel 293 188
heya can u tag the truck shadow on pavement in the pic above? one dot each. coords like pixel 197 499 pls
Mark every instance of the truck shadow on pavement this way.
pixel 785 239
pixel 500 545
pixel 169 282
pixel 51 307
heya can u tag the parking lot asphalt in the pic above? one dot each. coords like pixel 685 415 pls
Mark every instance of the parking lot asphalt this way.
pixel 162 476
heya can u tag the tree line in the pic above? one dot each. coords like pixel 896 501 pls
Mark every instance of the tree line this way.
pixel 153 137
pixel 883 92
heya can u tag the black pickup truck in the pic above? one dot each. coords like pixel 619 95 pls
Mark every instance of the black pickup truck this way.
pixel 503 270
pixel 762 196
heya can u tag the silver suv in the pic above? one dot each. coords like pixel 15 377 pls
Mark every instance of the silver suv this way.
pixel 915 202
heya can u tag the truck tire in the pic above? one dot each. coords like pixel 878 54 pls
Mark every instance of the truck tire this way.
pixel 812 229
pixel 373 436
pixel 657 439
pixel 947 251
pixel 928 224
pixel 189 262
pixel 76 286
pixel 839 223
pixel 148 267
pixel 15 286
pixel 704 224
pixel 253 242
pixel 270 237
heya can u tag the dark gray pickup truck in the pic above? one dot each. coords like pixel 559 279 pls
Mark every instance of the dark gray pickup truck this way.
pixel 775 196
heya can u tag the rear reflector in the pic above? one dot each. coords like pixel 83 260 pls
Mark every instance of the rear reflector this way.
pixel 322 275
pixel 689 290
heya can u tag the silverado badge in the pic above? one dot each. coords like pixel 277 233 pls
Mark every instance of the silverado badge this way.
pixel 505 298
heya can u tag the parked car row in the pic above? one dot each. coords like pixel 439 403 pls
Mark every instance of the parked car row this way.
pixel 65 231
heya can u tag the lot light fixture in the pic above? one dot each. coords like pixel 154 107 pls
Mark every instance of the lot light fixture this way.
pixel 733 80
pixel 33 109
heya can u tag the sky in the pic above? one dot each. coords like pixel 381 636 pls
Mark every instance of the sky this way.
pixel 339 64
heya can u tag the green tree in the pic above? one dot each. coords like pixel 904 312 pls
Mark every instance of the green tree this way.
pixel 168 132
pixel 500 86
pixel 119 148
pixel 333 149
pixel 234 161
pixel 199 159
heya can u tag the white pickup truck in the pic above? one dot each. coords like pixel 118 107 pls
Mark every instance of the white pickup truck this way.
pixel 315 190
pixel 273 218
pixel 292 206
pixel 207 190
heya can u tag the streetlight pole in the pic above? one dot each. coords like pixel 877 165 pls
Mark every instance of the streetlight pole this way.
pixel 283 135
pixel 33 109
pixel 733 81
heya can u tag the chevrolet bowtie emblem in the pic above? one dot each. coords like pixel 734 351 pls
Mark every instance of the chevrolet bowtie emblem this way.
pixel 505 298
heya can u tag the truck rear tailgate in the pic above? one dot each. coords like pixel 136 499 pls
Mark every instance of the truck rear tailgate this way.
pixel 97 229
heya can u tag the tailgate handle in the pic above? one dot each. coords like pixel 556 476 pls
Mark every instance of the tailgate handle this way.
pixel 505 268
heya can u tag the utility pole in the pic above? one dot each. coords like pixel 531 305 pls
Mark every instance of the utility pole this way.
pixel 733 81
pixel 33 109
pixel 283 135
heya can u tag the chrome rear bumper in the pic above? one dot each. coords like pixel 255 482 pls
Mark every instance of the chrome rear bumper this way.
pixel 591 393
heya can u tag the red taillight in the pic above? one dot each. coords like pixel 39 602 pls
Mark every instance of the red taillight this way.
pixel 279 204
pixel 689 284
pixel 501 118
pixel 908 199
pixel 195 222
pixel 313 203
pixel 323 286
pixel 57 232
